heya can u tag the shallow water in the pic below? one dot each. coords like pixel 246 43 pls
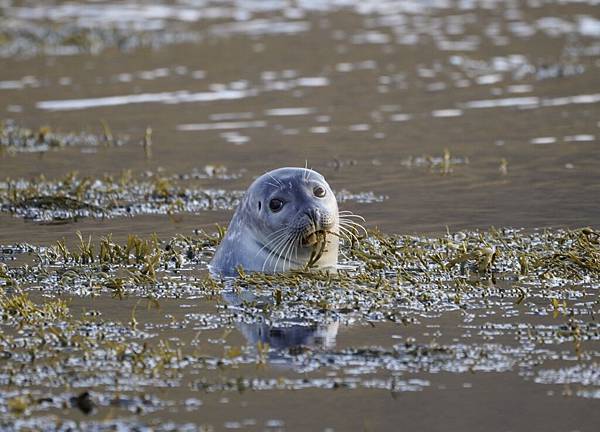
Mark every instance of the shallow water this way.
pixel 425 117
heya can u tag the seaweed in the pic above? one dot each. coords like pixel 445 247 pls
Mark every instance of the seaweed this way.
pixel 397 279
pixel 18 139
pixel 73 196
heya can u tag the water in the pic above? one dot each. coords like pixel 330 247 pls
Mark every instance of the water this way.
pixel 425 117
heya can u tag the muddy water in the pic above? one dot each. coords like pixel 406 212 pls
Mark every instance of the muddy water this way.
pixel 434 115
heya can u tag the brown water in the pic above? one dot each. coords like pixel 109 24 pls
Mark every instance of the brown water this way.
pixel 371 94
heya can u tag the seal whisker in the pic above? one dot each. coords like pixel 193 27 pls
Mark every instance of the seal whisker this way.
pixel 273 237
pixel 274 233
pixel 277 242
pixel 351 231
pixel 289 251
pixel 279 250
pixel 350 223
pixel 278 246
pixel 298 244
pixel 349 214
pixel 268 243
pixel 282 249
pixel 344 255
pixel 309 174
pixel 291 248
pixel 282 254
pixel 355 234
pixel 348 234
pixel 276 180
pixel 348 230
pixel 346 218
pixel 278 231
pixel 305 173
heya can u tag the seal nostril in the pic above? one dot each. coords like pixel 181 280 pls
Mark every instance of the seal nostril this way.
pixel 315 217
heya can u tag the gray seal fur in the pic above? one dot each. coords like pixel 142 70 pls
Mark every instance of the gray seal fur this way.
pixel 262 237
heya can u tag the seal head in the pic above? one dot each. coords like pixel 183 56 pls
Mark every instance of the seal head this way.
pixel 288 219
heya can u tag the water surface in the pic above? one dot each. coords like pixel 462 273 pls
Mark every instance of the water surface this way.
pixel 425 117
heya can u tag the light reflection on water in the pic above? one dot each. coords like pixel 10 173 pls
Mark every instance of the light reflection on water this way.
pixel 435 114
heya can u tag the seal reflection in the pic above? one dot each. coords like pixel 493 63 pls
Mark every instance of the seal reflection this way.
pixel 280 333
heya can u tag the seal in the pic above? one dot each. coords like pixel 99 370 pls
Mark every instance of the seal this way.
pixel 288 219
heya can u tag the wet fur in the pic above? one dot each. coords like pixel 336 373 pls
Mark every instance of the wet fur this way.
pixel 260 240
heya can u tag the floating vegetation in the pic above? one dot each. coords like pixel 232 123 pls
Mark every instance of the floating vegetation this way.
pixel 147 143
pixel 15 139
pixel 74 197
pixel 389 280
pixel 25 38
pixel 389 273
pixel 441 164
pixel 503 168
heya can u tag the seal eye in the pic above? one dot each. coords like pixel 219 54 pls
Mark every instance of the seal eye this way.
pixel 319 192
pixel 259 205
pixel 275 205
